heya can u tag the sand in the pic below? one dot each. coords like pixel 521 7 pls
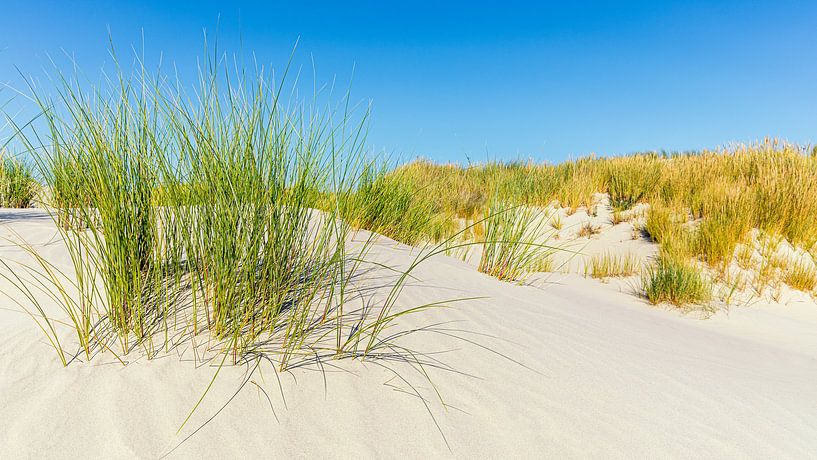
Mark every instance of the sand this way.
pixel 566 367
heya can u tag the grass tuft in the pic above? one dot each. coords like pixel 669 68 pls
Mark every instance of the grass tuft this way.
pixel 587 230
pixel 619 217
pixel 801 276
pixel 612 265
pixel 556 221
pixel 17 184
pixel 515 242
pixel 675 282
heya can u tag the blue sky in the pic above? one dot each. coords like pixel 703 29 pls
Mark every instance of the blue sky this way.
pixel 502 80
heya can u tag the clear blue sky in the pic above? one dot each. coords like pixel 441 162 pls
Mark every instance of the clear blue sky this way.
pixel 507 79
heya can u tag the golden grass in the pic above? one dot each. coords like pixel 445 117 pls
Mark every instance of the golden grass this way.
pixel 703 205
pixel 619 217
pixel 556 222
pixel 801 276
pixel 745 256
pixel 609 265
pixel 587 230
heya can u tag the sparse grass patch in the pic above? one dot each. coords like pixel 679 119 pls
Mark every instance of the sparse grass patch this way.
pixel 732 284
pixel 544 264
pixel 745 256
pixel 764 276
pixel 619 217
pixel 801 276
pixel 587 230
pixel 608 265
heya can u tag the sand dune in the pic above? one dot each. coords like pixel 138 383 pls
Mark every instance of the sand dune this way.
pixel 567 367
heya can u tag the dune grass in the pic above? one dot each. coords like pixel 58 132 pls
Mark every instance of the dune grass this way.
pixel 608 265
pixel 744 256
pixel 588 229
pixel 702 205
pixel 801 276
pixel 767 185
pixel 731 283
pixel 556 222
pixel 198 215
pixel 17 184
pixel 676 282
pixel 515 243
pixel 69 194
pixel 395 207
pixel 618 217
pixel 214 199
pixel 629 180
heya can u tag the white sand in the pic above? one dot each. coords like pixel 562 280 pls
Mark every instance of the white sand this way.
pixel 600 374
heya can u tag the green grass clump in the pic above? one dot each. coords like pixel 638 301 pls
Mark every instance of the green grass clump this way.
pixel 515 242
pixel 675 281
pixel 66 176
pixel 395 207
pixel 188 216
pixel 17 184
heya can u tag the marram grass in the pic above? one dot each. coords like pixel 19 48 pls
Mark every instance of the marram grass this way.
pixel 769 185
pixel 18 187
pixel 516 242
pixel 199 215
pixel 165 197
pixel 675 281
pixel 801 276
pixel 608 265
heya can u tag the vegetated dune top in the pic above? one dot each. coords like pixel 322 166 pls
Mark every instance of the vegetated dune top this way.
pixel 572 367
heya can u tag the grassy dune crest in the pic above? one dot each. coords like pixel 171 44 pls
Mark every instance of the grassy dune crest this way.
pixel 702 205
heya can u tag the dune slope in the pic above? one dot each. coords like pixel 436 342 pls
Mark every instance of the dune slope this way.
pixel 572 367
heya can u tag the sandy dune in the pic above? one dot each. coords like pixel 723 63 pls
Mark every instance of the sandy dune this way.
pixel 570 367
